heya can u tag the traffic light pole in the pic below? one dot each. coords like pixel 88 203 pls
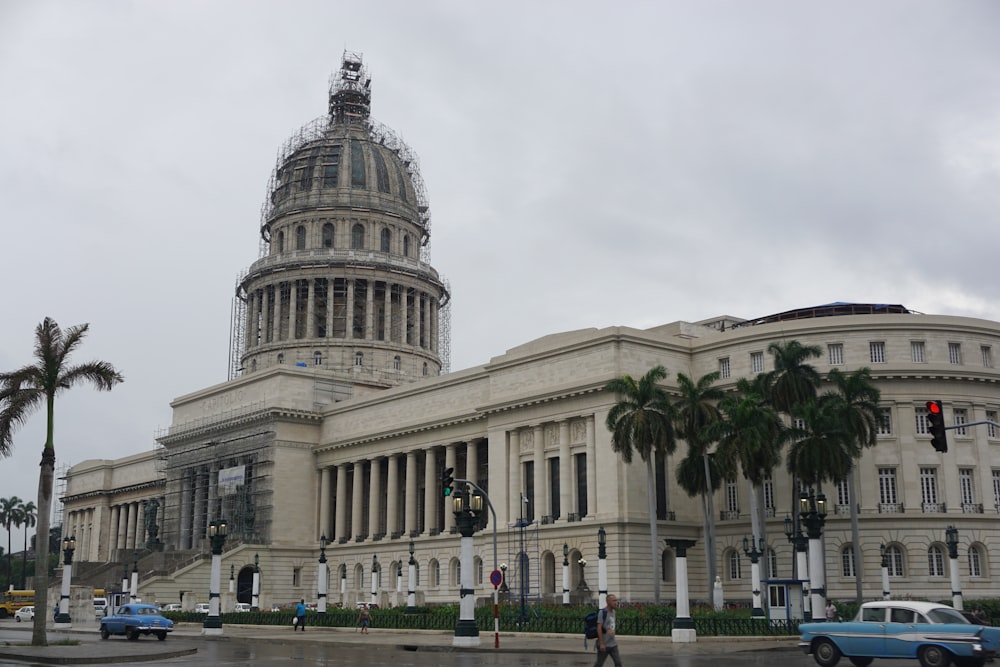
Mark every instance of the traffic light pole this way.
pixel 496 595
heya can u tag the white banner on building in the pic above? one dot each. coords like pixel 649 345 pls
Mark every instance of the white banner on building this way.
pixel 230 479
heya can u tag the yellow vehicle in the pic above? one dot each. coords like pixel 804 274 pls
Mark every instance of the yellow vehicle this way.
pixel 14 600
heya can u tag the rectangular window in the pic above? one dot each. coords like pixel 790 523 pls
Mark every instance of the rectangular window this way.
pixel 581 483
pixel 966 487
pixel 554 487
pixel 768 490
pixel 732 499
pixel 921 421
pixel 996 490
pixel 928 489
pixel 935 562
pixel 724 368
pixel 528 507
pixel 975 563
pixel 876 352
pixel 961 417
pixel 296 577
pixel 954 353
pixel 885 422
pixel 987 353
pixel 835 353
pixel 991 429
pixel 917 352
pixel 887 486
pixel 843 494
pixel 847 561
pixel 756 362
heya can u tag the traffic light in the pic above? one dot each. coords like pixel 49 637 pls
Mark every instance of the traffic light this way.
pixel 935 424
pixel 447 481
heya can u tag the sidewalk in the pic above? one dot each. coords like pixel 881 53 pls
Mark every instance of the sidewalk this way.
pixel 186 636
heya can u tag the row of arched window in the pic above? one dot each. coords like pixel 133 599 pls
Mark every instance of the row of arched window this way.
pixel 359 360
pixel 328 239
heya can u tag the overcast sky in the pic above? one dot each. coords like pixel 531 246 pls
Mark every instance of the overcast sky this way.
pixel 588 164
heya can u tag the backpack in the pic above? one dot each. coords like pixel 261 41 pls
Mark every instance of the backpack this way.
pixel 590 622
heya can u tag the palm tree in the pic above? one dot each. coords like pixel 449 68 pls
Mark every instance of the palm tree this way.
pixel 8 517
pixel 751 434
pixel 23 391
pixel 641 422
pixel 28 518
pixel 696 412
pixel 822 450
pixel 860 413
pixel 793 381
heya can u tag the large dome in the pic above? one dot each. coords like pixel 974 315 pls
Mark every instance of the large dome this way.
pixel 344 282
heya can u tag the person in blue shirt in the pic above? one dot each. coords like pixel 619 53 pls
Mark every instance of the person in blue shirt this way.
pixel 300 616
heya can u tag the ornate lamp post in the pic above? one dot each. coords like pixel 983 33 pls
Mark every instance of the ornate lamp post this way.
pixel 467 510
pixel 683 630
pixel 321 576
pixel 886 595
pixel 951 539
pixel 754 550
pixel 133 590
pixel 565 574
pixel 602 566
pixel 812 509
pixel 255 599
pixel 232 578
pixel 411 583
pixel 62 617
pixel 217 536
pixel 375 579
pixel 793 531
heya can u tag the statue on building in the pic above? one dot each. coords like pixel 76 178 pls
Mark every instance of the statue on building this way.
pixel 152 506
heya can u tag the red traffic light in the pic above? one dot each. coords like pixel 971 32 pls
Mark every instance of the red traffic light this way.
pixel 934 407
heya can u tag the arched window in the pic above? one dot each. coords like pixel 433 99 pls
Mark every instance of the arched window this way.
pixel 406 246
pixel 397 363
pixel 300 237
pixel 426 369
pixel 935 561
pixel 359 358
pixel 253 365
pixel 281 241
pixel 771 559
pixel 894 557
pixel 435 568
pixel 328 235
pixel 358 237
pixel 281 357
pixel 735 569
pixel 847 561
pixel 317 358
pixel 975 561
pixel 386 236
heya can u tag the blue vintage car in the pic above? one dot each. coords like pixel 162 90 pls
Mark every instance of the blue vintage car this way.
pixel 133 620
pixel 935 634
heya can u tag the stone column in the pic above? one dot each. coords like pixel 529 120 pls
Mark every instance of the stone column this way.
pixel 324 502
pixel 683 624
pixel 266 325
pixel 387 316
pixel 370 311
pixel 565 470
pixel 310 331
pixel 113 532
pixel 375 498
pixel 591 468
pixel 392 495
pixel 431 491
pixel 341 526
pixel 472 461
pixel 357 504
pixel 130 526
pixel 293 297
pixel 350 310
pixel 514 475
pixel 410 500
pixel 184 530
pixel 541 499
pixel 404 300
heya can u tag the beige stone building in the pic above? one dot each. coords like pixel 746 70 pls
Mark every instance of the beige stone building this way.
pixel 341 413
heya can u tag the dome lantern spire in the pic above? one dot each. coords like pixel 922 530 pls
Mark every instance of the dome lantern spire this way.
pixel 350 92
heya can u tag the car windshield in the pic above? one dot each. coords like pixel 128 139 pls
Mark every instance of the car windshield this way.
pixel 946 615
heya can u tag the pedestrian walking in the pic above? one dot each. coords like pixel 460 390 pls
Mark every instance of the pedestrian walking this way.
pixel 607 643
pixel 364 616
pixel 300 616
pixel 831 611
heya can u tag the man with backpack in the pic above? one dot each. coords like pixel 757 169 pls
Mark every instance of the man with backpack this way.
pixel 607 644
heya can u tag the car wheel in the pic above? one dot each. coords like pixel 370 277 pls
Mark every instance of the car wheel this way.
pixel 161 635
pixel 934 656
pixel 826 653
pixel 132 634
pixel 17 618
pixel 859 661
pixel 104 632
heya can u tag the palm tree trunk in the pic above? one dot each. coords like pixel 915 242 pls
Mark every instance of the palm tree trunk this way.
pixel 654 540
pixel 855 538
pixel 45 477
pixel 710 524
pixel 24 558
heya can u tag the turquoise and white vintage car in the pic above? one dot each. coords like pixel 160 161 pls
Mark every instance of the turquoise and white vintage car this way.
pixel 934 633
pixel 133 620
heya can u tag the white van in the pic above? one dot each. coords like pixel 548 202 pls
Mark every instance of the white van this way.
pixel 100 607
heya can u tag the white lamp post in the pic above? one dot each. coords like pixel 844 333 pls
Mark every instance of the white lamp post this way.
pixel 217 535
pixel 565 573
pixel 467 518
pixel 321 576
pixel 62 618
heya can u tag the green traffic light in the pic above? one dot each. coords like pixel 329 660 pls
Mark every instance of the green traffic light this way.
pixel 447 490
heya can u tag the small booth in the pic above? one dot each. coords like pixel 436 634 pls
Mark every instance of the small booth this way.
pixel 783 598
